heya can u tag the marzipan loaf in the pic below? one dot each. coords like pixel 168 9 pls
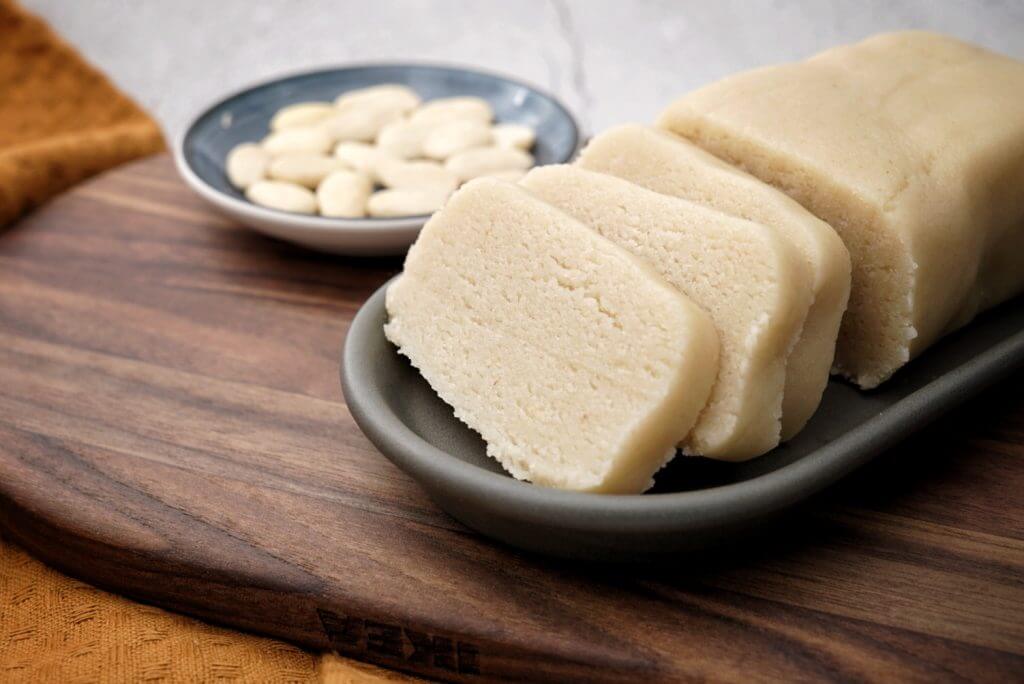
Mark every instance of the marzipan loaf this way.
pixel 910 145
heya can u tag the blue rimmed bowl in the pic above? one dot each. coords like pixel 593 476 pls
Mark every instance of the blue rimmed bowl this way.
pixel 201 150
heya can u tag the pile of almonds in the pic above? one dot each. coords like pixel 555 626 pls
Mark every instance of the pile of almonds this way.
pixel 377 151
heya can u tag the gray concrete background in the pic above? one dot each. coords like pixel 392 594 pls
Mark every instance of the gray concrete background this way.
pixel 610 60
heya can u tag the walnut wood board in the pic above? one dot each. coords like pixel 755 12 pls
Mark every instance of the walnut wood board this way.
pixel 171 428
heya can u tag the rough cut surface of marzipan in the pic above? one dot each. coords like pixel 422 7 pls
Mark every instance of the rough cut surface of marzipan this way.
pixel 665 163
pixel 579 365
pixel 910 145
pixel 749 279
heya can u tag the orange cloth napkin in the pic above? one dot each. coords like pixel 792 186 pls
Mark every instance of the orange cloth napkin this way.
pixel 56 629
pixel 62 121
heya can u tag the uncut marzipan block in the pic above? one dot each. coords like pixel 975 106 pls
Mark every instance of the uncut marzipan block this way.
pixel 578 364
pixel 910 145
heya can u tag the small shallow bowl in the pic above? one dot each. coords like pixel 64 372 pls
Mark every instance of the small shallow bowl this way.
pixel 696 503
pixel 245 117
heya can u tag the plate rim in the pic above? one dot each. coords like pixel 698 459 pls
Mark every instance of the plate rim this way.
pixel 692 511
pixel 357 227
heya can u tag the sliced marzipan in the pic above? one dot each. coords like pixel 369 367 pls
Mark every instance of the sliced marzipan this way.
pixel 579 365
pixel 670 165
pixel 749 279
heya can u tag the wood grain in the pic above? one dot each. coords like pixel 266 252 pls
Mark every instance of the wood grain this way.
pixel 171 427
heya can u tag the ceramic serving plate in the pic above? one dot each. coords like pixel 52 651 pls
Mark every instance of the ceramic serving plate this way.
pixel 244 117
pixel 695 502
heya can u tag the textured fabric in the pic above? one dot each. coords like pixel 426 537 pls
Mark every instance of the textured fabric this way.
pixel 57 629
pixel 60 122
pixel 60 119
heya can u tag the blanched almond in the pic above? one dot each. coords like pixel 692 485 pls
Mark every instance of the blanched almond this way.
pixel 302 168
pixel 301 139
pixel 301 114
pixel 283 196
pixel 456 136
pixel 358 123
pixel 416 174
pixel 406 202
pixel 387 96
pixel 362 157
pixel 344 194
pixel 246 164
pixel 404 138
pixel 481 161
pixel 454 109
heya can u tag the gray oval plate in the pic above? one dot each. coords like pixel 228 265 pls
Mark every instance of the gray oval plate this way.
pixel 695 502
pixel 245 116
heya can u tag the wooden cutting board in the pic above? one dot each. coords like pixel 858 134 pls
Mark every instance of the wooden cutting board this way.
pixel 171 427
